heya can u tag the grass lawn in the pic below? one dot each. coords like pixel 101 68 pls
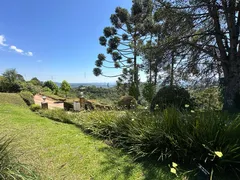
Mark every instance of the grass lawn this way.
pixel 11 98
pixel 61 151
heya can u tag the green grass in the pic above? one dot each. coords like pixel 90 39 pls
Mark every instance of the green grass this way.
pixel 182 137
pixel 11 98
pixel 61 151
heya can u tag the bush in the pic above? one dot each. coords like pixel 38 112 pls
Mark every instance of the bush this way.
pixel 35 107
pixel 171 96
pixel 27 97
pixel 68 106
pixel 57 115
pixel 208 98
pixel 32 88
pixel 127 102
pixel 46 89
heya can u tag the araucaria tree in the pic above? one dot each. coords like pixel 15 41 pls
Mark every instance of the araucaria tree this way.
pixel 214 36
pixel 123 40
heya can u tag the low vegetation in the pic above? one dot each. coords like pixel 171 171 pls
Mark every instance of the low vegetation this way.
pixel 56 150
pixel 6 98
pixel 27 97
pixel 171 136
pixel 10 168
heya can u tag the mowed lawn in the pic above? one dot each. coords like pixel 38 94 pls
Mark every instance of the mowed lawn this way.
pixel 61 151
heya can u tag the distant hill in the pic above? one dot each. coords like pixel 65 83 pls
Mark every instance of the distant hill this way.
pixel 103 85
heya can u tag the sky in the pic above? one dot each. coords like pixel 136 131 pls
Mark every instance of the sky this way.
pixel 55 39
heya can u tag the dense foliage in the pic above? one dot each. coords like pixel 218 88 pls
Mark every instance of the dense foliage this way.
pixel 51 85
pixel 171 96
pixel 65 86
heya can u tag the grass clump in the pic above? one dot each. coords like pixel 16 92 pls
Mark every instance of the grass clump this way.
pixel 10 168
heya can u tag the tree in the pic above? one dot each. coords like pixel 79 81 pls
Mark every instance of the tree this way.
pixel 10 81
pixel 123 40
pixel 35 81
pixel 163 58
pixel 214 40
pixel 65 86
pixel 51 85
pixel 10 75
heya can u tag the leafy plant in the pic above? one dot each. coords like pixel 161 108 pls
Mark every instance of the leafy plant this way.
pixel 35 107
pixel 169 96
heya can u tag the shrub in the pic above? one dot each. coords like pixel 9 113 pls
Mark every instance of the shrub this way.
pixel 46 89
pixel 33 88
pixel 68 106
pixel 35 107
pixel 208 98
pixel 27 97
pixel 171 96
pixel 127 102
pixel 57 115
pixel 35 81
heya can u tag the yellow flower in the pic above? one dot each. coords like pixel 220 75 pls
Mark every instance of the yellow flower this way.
pixel 132 119
pixel 173 170
pixel 219 154
pixel 174 164
pixel 186 105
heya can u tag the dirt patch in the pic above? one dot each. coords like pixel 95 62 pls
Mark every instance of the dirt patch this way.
pixel 51 102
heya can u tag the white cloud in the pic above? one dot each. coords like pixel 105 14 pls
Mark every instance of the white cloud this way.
pixel 29 53
pixel 2 40
pixel 12 47
pixel 16 49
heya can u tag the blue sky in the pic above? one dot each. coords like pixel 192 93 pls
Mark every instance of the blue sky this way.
pixel 54 39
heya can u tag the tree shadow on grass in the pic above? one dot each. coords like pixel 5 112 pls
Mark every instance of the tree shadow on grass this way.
pixel 126 168
pixel 116 163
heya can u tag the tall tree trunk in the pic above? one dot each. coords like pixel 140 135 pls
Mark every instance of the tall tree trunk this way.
pixel 135 73
pixel 232 83
pixel 172 69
